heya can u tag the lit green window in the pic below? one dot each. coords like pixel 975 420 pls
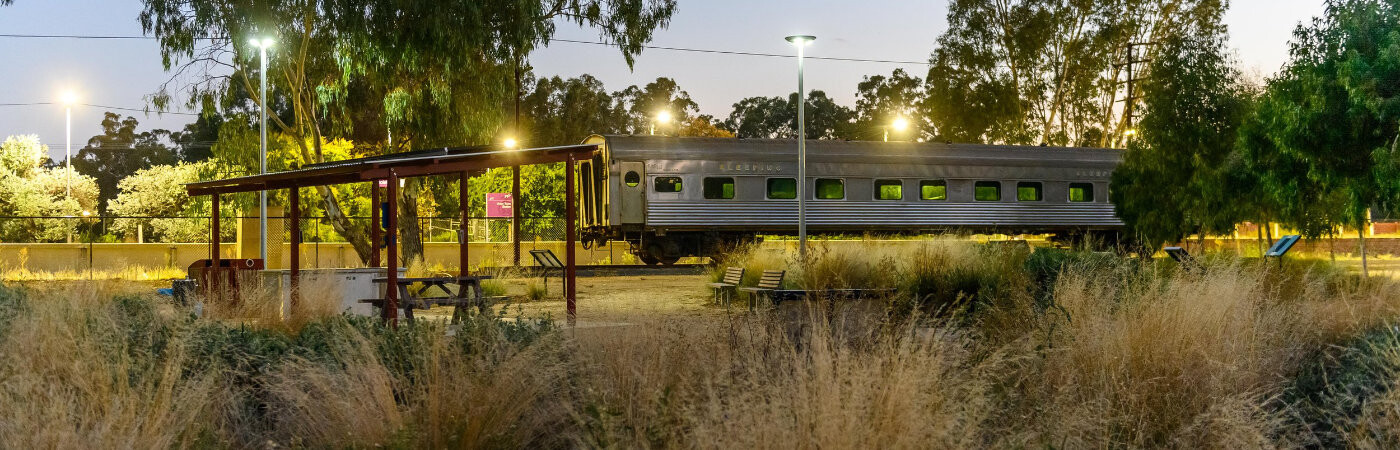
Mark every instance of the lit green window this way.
pixel 782 188
pixel 889 189
pixel 1028 192
pixel 933 190
pixel 667 184
pixel 1081 192
pixel 831 189
pixel 719 188
pixel 987 191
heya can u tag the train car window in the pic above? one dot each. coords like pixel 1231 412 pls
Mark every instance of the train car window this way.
pixel 933 190
pixel 719 188
pixel 1081 192
pixel 1028 191
pixel 889 190
pixel 987 191
pixel 632 178
pixel 782 188
pixel 831 188
pixel 667 184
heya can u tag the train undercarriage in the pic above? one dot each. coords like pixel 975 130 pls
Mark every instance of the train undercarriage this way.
pixel 653 247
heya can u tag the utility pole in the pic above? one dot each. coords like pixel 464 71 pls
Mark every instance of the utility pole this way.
pixel 1132 97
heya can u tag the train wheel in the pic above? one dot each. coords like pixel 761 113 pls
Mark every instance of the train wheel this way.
pixel 647 259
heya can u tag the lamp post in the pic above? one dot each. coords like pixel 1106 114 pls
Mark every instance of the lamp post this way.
pixel 262 45
pixel 900 124
pixel 801 41
pixel 663 117
pixel 69 98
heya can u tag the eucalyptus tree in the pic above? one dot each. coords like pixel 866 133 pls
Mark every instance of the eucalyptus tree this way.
pixel 426 72
pixel 1031 71
pixel 1334 113
pixel 880 100
pixel 775 117
pixel 645 103
pixel 1174 179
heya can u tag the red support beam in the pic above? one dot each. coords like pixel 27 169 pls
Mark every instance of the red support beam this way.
pixel 463 235
pixel 294 200
pixel 515 212
pixel 212 275
pixel 570 241
pixel 374 238
pixel 391 289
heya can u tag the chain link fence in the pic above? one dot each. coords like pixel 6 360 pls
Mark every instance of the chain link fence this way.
pixel 196 230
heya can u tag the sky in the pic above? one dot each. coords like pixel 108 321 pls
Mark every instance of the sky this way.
pixel 123 73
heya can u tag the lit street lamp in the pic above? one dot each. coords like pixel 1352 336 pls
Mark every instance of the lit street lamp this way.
pixel 262 45
pixel 510 143
pixel 900 124
pixel 801 42
pixel 663 117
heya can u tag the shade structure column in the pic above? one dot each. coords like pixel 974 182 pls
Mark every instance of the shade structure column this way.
pixel 391 289
pixel 463 236
pixel 294 202
pixel 515 213
pixel 570 240
pixel 211 275
pixel 374 238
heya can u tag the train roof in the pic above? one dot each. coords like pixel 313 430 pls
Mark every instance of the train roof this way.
pixel 757 150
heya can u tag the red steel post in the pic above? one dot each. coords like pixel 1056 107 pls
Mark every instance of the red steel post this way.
pixel 374 238
pixel 515 213
pixel 391 289
pixel 211 275
pixel 294 199
pixel 463 236
pixel 570 241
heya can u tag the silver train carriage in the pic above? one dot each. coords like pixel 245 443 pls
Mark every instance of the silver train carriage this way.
pixel 673 197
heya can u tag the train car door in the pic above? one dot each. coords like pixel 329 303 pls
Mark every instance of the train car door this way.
pixel 633 193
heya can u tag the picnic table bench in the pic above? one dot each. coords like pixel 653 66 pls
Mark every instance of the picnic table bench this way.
pixel 468 293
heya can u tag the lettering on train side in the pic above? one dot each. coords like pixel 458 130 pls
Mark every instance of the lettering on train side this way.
pixel 749 167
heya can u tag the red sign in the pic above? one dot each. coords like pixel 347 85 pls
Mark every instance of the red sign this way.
pixel 499 205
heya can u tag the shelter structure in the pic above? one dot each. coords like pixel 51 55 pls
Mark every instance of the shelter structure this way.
pixel 389 169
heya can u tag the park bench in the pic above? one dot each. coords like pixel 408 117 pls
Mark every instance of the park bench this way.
pixel 726 289
pixel 468 294
pixel 548 263
pixel 771 280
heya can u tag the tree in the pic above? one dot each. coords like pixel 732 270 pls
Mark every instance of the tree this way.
pixel 563 112
pixel 1029 72
pixel 703 125
pixel 21 155
pixel 880 100
pixel 159 192
pixel 431 73
pixel 1333 113
pixel 1174 179
pixel 119 152
pixel 645 103
pixel 774 117
pixel 195 142
pixel 34 196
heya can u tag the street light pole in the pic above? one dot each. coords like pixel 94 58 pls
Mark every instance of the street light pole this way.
pixel 262 45
pixel 68 150
pixel 801 43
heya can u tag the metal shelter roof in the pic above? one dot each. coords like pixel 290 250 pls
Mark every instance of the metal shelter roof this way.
pixel 411 164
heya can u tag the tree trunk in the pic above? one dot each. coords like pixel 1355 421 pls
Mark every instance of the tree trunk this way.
pixel 1361 242
pixel 410 225
pixel 1259 238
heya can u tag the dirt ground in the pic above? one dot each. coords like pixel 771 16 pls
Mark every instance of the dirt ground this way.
pixel 602 299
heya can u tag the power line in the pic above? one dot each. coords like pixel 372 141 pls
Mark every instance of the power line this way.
pixel 570 41
pixel 119 108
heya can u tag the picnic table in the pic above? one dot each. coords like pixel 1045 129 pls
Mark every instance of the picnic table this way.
pixel 467 292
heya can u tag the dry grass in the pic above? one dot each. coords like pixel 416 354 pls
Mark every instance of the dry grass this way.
pixel 989 347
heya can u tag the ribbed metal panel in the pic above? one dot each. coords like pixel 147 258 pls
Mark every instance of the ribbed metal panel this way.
pixel 879 214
